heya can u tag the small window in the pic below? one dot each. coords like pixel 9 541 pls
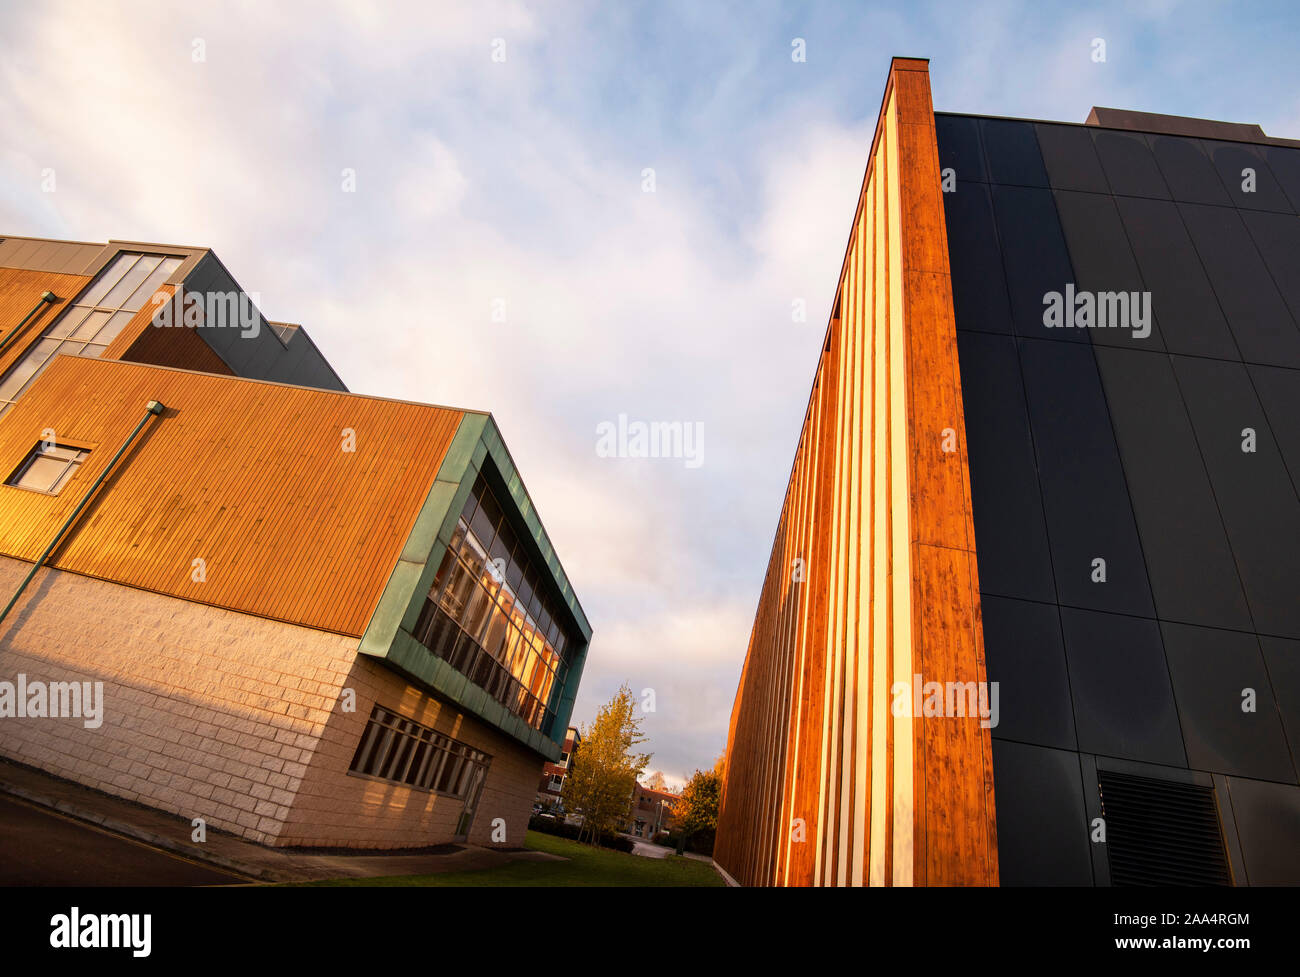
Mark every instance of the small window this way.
pixel 48 467
pixel 405 752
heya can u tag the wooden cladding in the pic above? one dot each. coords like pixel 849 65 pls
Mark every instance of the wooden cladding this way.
pixel 872 578
pixel 20 290
pixel 178 347
pixel 256 480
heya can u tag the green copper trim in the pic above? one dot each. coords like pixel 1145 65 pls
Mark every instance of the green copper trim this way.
pixel 477 448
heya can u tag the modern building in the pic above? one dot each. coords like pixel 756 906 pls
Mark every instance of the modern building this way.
pixel 553 773
pixel 239 593
pixel 1030 615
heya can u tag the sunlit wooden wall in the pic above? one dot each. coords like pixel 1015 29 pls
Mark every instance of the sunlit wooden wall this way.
pixel 872 577
pixel 20 292
pixel 292 518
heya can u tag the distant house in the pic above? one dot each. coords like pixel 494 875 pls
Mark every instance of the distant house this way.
pixel 554 772
pixel 651 810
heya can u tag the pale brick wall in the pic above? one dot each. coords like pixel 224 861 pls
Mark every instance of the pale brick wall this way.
pixel 215 714
pixel 361 812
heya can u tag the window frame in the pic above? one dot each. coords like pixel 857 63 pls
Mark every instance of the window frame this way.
pixel 89 301
pixel 82 451
pixel 390 740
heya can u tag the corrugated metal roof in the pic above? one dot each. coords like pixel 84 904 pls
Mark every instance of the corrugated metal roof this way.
pixel 255 479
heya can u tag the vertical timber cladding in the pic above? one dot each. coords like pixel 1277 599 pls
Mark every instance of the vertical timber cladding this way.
pixel 872 578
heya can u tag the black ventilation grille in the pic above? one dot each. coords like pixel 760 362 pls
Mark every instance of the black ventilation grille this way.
pixel 1161 833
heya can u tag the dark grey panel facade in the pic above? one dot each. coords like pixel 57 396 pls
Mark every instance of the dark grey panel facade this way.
pixel 960 149
pixel 1103 262
pixel 1285 164
pixel 1255 494
pixel 1189 561
pixel 1034 256
pixel 1279 394
pixel 1089 518
pixel 1011 149
pixel 1187 171
pixel 1186 309
pixel 1042 834
pixel 1070 159
pixel 1026 657
pixel 1282 659
pixel 1229 716
pixel 979 287
pixel 1123 700
pixel 1014 559
pixel 258 353
pixel 1247 177
pixel 1268 823
pixel 1184 665
pixel 1260 322
pixel 1129 165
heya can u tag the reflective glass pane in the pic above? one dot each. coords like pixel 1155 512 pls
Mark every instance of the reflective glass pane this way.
pixel 151 284
pixel 114 326
pixel 130 281
pixel 483 524
pixel 91 325
pixel 67 323
pixel 26 368
pixel 108 278
pixel 42 473
pixel 476 612
pixel 68 472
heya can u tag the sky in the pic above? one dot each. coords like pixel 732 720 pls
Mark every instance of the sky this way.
pixel 567 212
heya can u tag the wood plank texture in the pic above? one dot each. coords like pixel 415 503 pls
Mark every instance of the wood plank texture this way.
pixel 20 290
pixel 827 783
pixel 250 477
pixel 180 348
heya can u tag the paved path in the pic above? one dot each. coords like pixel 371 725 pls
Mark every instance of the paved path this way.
pixel 228 858
pixel 42 847
pixel 646 850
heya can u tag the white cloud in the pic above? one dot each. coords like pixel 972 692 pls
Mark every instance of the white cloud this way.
pixel 521 181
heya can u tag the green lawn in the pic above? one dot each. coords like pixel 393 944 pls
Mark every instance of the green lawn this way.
pixel 585 866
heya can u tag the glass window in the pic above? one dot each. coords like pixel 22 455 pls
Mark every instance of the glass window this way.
pixel 444 571
pixel 138 272
pixel 109 277
pixel 457 594
pixel 156 279
pixel 67 323
pixel 406 752
pixel 48 467
pixel 116 323
pixel 483 525
pixel 26 368
pixel 487 627
pixel 96 317
pixel 515 572
pixel 477 612
pixel 91 325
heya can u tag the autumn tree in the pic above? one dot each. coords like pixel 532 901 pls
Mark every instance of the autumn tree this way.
pixel 604 769
pixel 656 781
pixel 696 811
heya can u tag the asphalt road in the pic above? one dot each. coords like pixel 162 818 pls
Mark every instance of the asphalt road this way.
pixel 42 847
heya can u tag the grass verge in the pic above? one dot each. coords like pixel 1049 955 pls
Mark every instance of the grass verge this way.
pixel 583 866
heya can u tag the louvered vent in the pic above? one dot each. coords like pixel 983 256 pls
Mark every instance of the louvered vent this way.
pixel 1161 833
